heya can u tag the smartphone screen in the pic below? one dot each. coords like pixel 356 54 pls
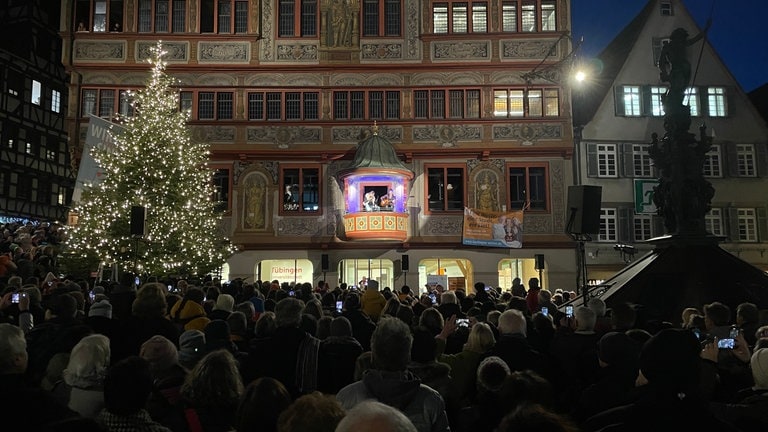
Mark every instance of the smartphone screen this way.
pixel 92 296
pixel 545 311
pixel 734 333
pixel 338 306
pixel 569 311
pixel 15 298
pixel 291 293
pixel 725 343
pixel 462 322
pixel 434 298
pixel 137 281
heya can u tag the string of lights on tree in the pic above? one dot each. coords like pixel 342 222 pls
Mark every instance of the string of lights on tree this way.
pixel 157 165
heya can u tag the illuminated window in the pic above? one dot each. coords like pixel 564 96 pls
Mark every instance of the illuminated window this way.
pixel 548 16
pixel 36 90
pixel 716 102
pixel 99 15
pixel 657 107
pixel 691 98
pixel 55 101
pixel 460 17
pixel 630 101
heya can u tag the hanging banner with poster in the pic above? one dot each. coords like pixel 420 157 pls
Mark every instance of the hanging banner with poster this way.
pixel 99 135
pixel 493 229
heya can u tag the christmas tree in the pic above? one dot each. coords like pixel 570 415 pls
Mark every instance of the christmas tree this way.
pixel 156 165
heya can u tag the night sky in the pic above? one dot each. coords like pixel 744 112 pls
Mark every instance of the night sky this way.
pixel 739 32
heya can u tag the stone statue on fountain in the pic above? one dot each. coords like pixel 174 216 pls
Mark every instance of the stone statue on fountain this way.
pixel 683 195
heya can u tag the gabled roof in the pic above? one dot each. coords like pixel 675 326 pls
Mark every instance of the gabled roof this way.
pixel 613 57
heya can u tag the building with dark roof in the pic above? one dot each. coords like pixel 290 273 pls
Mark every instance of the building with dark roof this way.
pixel 617 118
pixel 36 178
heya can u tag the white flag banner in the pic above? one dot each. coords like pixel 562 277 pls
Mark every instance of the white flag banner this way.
pixel 100 135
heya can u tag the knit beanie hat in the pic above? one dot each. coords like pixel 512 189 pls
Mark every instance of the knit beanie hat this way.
pixel 217 335
pixel 670 360
pixel 224 302
pixel 340 326
pixel 491 374
pixel 101 308
pixel 191 348
pixel 618 349
pixel 759 363
pixel 159 352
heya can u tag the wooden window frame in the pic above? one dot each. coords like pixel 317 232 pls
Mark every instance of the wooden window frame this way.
pixel 300 192
pixel 228 167
pixel 297 18
pixel 366 102
pixel 382 18
pixel 450 5
pixel 527 166
pixel 305 99
pixel 463 190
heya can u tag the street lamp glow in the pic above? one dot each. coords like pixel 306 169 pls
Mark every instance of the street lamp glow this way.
pixel 580 76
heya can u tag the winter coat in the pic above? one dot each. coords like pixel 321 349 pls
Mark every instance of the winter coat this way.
pixel 402 390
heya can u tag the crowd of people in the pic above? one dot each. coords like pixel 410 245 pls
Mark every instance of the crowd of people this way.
pixel 270 356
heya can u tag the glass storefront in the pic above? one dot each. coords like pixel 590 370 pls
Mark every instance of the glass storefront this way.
pixel 295 270
pixel 457 270
pixel 357 271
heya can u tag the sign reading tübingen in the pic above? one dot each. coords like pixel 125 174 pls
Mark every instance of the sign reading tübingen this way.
pixel 644 196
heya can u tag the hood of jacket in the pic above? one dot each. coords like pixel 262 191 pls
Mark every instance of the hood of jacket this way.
pixel 396 389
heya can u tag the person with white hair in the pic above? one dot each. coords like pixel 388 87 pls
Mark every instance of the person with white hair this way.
pixel 512 345
pixel 35 406
pixel 391 383
pixel 576 346
pixel 82 387
pixel 374 416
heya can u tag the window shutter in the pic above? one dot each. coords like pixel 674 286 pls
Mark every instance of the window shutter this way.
pixel 591 160
pixel 732 225
pixel 627 160
pixel 731 163
pixel 762 224
pixel 657 226
pixel 761 150
pixel 626 224
pixel 618 95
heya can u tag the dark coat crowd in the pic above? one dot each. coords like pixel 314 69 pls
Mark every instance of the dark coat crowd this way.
pixel 269 356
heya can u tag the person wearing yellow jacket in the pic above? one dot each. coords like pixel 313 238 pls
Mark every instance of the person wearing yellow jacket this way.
pixel 188 313
pixel 373 301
